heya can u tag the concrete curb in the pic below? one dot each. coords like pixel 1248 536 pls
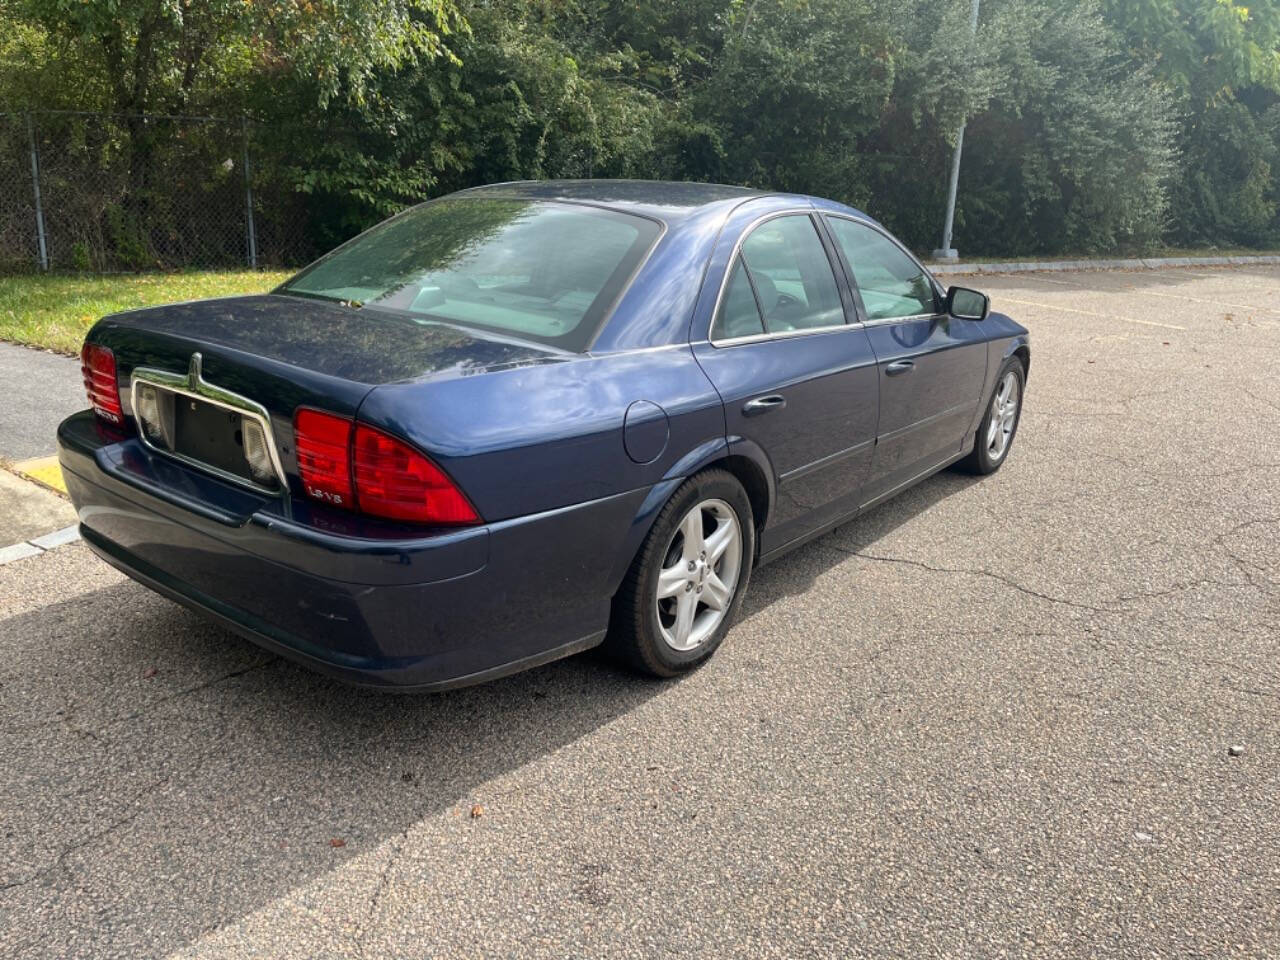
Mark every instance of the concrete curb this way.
pixel 1063 266
pixel 38 545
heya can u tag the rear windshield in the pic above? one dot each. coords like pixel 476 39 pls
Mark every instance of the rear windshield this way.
pixel 538 270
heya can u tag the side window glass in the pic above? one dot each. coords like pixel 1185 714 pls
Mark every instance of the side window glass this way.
pixel 792 275
pixel 891 283
pixel 739 316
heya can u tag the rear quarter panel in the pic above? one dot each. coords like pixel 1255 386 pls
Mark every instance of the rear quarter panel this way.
pixel 529 439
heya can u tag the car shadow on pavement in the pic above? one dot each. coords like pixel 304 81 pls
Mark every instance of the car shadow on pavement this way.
pixel 143 743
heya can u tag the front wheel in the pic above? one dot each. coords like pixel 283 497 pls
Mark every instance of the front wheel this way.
pixel 686 584
pixel 1000 423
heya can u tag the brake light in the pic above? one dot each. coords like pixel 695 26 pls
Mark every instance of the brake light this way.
pixel 396 481
pixel 356 466
pixel 98 367
pixel 323 441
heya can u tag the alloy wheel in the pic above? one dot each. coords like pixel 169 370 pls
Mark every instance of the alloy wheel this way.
pixel 699 575
pixel 1004 416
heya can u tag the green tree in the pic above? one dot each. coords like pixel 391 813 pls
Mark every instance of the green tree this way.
pixel 156 55
pixel 1222 58
pixel 796 86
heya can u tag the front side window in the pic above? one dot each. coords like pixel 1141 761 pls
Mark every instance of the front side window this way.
pixel 892 284
pixel 544 271
pixel 792 276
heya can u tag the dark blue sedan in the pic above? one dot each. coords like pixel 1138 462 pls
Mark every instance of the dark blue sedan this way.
pixel 510 424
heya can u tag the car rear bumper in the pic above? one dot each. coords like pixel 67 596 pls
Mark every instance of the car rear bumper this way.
pixel 428 613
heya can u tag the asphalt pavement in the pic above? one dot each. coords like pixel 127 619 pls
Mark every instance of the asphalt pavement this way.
pixel 992 718
pixel 41 389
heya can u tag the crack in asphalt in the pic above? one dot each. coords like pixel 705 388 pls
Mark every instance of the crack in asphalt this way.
pixel 1241 564
pixel 177 695
pixel 1007 581
pixel 1262 400
pixel 374 898
pixel 92 733
pixel 59 861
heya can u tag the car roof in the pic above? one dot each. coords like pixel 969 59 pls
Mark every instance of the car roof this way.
pixel 667 200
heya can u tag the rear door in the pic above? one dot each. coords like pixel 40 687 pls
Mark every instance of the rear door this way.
pixel 932 367
pixel 798 379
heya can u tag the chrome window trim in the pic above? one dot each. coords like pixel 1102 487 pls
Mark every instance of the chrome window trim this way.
pixel 782 335
pixel 907 319
pixel 194 385
pixel 938 292
pixel 728 272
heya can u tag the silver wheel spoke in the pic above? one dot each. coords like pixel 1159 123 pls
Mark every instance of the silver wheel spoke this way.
pixel 692 530
pixel 715 594
pixel 719 541
pixel 686 607
pixel 671 581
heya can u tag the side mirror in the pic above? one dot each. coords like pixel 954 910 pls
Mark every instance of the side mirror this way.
pixel 965 304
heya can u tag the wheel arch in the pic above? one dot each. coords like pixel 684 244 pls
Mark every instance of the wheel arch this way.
pixel 747 462
pixel 1023 353
pixel 753 480
pixel 743 459
pixel 1019 347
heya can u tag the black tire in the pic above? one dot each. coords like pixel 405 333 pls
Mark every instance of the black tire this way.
pixel 980 460
pixel 636 628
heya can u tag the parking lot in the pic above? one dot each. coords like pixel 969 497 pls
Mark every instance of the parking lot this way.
pixel 991 718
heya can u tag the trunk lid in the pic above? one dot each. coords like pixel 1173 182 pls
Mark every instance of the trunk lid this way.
pixel 273 354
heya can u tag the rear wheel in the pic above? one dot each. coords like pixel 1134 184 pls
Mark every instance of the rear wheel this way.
pixel 1000 423
pixel 686 584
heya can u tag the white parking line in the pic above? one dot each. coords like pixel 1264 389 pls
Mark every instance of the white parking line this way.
pixel 38 545
pixel 1091 313
pixel 1213 303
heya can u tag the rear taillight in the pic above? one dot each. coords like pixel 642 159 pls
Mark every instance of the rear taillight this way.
pixel 323 441
pixel 98 367
pixel 394 480
pixel 359 467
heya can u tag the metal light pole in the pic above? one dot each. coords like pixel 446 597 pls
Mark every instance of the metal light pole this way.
pixel 947 252
pixel 35 185
pixel 250 234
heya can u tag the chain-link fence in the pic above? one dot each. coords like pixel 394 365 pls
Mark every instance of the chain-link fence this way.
pixel 99 192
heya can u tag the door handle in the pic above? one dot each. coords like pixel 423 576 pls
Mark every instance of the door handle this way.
pixel 753 408
pixel 899 367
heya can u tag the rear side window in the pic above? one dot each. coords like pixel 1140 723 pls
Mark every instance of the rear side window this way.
pixel 739 316
pixel 892 284
pixel 792 275
pixel 543 271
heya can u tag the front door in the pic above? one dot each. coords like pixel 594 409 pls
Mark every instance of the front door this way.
pixel 796 378
pixel 932 367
